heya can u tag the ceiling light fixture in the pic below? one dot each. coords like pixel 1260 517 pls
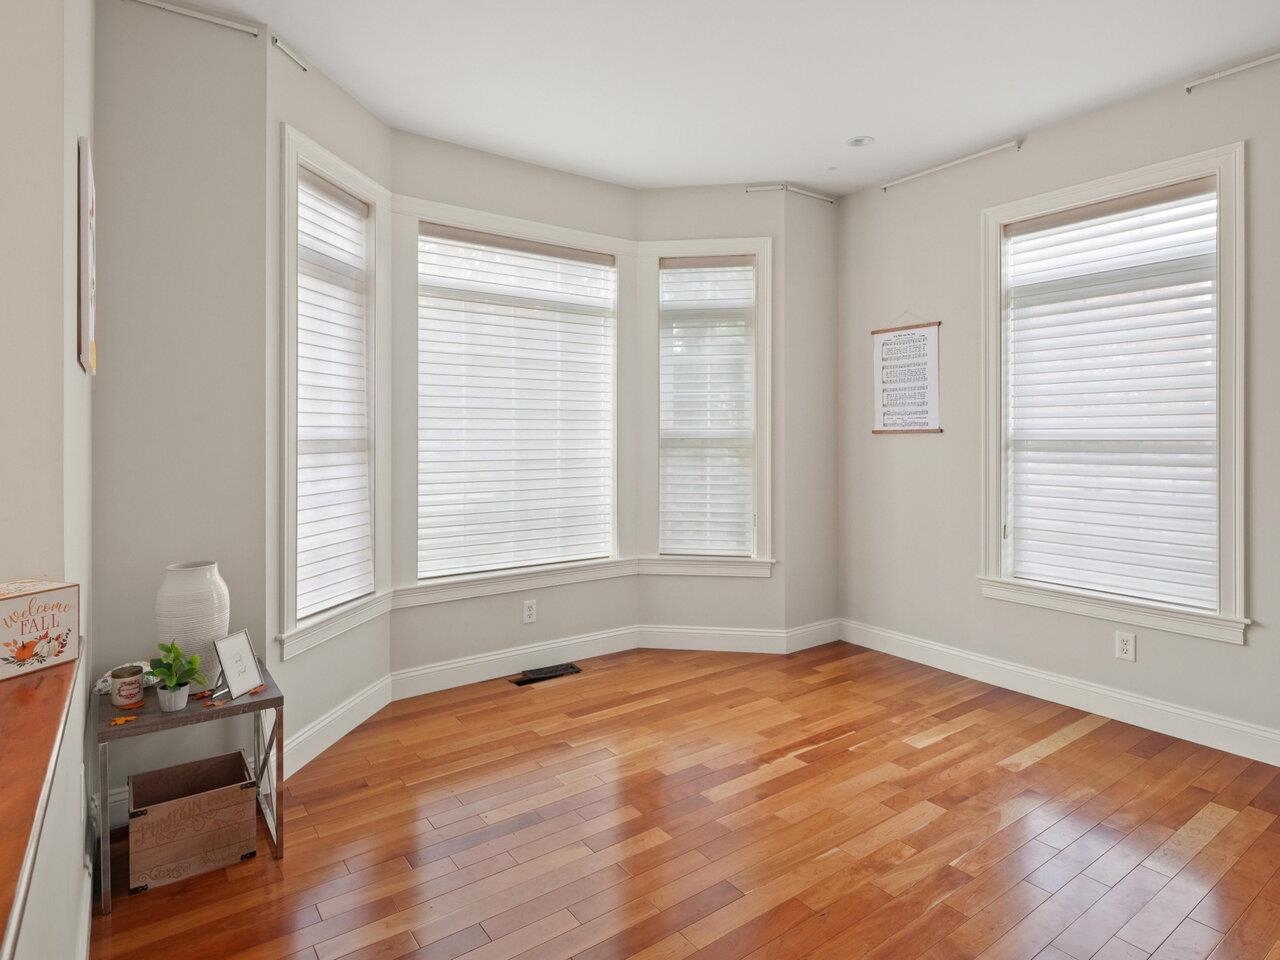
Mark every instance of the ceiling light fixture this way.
pixel 862 141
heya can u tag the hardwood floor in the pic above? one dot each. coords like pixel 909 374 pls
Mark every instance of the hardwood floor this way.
pixel 833 804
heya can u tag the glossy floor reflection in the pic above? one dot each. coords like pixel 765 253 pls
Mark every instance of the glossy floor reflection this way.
pixel 835 803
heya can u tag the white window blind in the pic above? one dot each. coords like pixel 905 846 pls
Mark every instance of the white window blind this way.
pixel 515 403
pixel 707 396
pixel 334 560
pixel 1111 340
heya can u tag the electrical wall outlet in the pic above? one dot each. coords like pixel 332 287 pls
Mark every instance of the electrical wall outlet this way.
pixel 1126 646
pixel 530 611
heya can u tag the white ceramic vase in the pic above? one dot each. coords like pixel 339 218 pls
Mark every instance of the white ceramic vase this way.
pixel 172 700
pixel 193 609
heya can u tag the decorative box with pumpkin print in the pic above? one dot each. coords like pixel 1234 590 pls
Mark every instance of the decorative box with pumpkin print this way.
pixel 39 625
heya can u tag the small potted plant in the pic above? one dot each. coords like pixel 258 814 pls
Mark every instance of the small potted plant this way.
pixel 175 671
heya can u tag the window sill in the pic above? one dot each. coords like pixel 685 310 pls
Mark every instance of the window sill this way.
pixel 672 566
pixel 327 625
pixel 1188 623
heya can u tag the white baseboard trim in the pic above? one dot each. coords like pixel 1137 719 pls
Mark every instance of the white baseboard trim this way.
pixel 326 730
pixel 720 639
pixel 814 634
pixel 430 677
pixel 740 639
pixel 1199 726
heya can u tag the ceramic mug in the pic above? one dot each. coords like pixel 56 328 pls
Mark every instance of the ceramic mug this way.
pixel 126 686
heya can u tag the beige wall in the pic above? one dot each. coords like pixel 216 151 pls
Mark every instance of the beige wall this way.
pixel 689 213
pixel 436 170
pixel 44 477
pixel 322 678
pixel 188 444
pixel 807 410
pixel 77 121
pixel 909 527
pixel 803 588
pixel 31 309
pixel 180 398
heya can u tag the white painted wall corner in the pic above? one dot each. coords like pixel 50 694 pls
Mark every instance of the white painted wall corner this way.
pixel 326 730
pixel 814 634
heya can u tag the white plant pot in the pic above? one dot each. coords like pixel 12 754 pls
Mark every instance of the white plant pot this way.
pixel 172 700
pixel 193 609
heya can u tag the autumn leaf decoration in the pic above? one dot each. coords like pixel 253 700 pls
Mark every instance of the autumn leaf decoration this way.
pixel 36 651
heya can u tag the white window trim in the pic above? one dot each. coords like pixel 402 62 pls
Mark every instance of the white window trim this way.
pixel 633 555
pixel 650 252
pixel 623 251
pixel 1228 624
pixel 679 566
pixel 300 150
pixel 332 623
pixel 632 552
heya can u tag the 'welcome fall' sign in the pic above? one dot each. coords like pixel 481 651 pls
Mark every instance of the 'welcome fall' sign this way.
pixel 39 625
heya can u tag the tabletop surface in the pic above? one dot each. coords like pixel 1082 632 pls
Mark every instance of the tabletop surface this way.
pixel 33 710
pixel 149 718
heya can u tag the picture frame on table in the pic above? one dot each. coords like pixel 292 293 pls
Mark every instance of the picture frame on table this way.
pixel 240 672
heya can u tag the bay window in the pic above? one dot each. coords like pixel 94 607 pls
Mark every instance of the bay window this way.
pixel 515 403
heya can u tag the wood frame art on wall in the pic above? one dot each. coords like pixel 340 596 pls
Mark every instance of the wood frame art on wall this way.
pixel 87 276
pixel 905 379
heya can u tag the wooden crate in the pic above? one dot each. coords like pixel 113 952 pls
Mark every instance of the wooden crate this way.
pixel 190 819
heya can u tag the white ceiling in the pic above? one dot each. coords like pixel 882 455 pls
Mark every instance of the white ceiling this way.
pixel 653 93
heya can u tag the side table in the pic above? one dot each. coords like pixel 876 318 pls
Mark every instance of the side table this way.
pixel 150 719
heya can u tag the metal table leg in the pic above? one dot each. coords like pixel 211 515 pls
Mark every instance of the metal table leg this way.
pixel 277 787
pixel 104 828
pixel 271 802
pixel 257 744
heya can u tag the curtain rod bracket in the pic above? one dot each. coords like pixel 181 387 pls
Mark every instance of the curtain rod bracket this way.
pixel 288 52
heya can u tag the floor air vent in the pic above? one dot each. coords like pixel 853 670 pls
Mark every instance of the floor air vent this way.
pixel 546 673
